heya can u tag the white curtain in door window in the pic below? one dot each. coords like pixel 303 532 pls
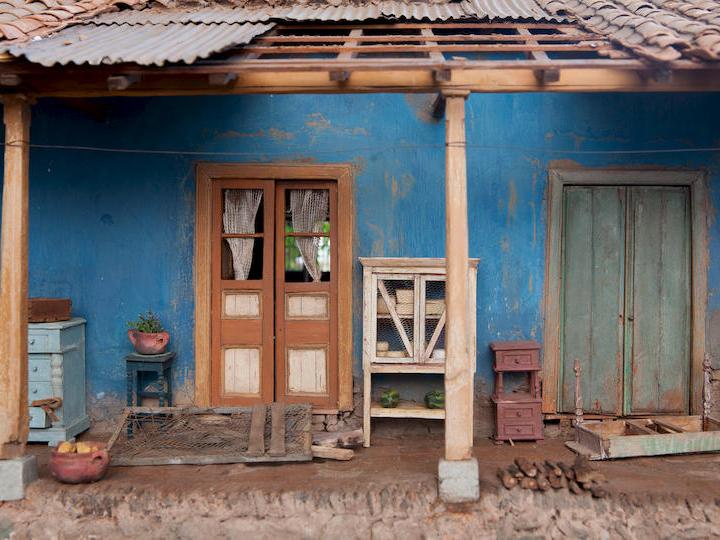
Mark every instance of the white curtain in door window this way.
pixel 241 208
pixel 309 210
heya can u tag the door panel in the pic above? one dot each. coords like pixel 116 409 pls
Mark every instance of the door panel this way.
pixel 242 292
pixel 306 289
pixel 593 274
pixel 660 331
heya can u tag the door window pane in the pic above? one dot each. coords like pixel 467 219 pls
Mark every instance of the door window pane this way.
pixel 307 210
pixel 242 222
pixel 227 266
pixel 300 269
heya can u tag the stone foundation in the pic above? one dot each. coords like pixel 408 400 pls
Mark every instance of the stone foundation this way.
pixel 404 510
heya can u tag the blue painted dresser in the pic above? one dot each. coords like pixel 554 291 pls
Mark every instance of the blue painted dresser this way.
pixel 56 369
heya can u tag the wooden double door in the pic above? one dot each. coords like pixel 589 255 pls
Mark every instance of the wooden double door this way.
pixel 274 292
pixel 626 306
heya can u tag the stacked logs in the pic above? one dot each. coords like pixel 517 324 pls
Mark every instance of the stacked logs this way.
pixel 543 476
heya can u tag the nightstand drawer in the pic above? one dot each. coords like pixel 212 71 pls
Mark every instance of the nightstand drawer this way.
pixel 518 431
pixel 518 411
pixel 517 360
pixel 39 390
pixel 39 368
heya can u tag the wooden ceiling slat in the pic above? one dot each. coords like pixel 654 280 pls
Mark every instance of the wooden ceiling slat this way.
pixel 371 49
pixel 470 38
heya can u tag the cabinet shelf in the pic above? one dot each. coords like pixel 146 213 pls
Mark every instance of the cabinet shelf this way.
pixel 406 409
pixel 407 368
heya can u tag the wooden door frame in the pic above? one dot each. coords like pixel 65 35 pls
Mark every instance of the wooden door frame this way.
pixel 206 173
pixel 697 183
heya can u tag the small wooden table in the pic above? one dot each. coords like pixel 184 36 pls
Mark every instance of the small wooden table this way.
pixel 159 364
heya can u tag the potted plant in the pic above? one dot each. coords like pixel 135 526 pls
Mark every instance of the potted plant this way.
pixel 147 334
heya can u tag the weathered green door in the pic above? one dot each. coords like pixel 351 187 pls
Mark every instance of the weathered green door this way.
pixel 626 299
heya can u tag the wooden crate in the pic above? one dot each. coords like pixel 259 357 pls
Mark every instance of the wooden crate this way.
pixel 656 436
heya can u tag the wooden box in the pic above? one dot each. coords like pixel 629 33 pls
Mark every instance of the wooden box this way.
pixel 41 310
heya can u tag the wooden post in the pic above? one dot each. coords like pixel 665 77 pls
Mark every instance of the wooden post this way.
pixel 458 367
pixel 14 421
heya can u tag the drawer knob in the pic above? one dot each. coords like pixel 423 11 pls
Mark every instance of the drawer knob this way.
pixel 32 341
pixel 35 368
pixel 517 360
pixel 518 413
pixel 34 391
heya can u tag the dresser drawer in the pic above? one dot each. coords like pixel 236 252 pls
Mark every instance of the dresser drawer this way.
pixel 519 420
pixel 39 390
pixel 519 431
pixel 40 342
pixel 38 418
pixel 39 368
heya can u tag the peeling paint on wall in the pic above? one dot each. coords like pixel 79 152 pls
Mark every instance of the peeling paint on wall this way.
pixel 115 231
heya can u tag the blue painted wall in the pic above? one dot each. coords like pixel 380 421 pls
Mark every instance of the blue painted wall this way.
pixel 114 231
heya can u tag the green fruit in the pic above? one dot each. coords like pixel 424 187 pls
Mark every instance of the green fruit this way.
pixel 390 398
pixel 435 399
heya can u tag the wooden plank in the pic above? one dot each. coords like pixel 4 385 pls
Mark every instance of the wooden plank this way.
pixel 277 434
pixel 118 429
pixel 657 445
pixel 204 460
pixel 436 335
pixel 395 318
pixel 203 291
pixel 406 409
pixel 356 36
pixel 667 427
pixel 325 452
pixel 543 75
pixel 396 76
pixel 458 368
pixel 660 317
pixel 638 429
pixel 589 46
pixel 593 278
pixel 256 442
pixel 14 419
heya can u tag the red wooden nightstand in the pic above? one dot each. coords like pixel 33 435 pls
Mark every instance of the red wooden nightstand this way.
pixel 519 414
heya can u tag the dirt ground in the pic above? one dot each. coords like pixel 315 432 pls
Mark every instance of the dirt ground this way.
pixel 412 460
pixel 388 490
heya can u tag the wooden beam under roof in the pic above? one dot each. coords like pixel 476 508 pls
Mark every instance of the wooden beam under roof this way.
pixel 487 80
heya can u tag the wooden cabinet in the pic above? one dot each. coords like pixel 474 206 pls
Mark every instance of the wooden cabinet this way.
pixel 56 369
pixel 404 327
pixel 518 414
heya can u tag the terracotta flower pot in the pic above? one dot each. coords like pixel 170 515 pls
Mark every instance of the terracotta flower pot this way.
pixel 74 468
pixel 149 343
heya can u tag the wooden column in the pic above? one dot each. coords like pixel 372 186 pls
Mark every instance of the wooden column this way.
pixel 458 367
pixel 14 421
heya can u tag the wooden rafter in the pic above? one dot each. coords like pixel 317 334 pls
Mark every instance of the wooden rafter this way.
pixel 400 57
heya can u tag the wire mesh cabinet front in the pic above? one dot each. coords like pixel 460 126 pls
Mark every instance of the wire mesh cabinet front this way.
pixel 404 319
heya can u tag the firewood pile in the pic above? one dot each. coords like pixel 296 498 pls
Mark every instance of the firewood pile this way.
pixel 544 476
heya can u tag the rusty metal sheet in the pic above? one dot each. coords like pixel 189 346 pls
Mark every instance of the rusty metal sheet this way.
pixel 144 44
pixel 385 9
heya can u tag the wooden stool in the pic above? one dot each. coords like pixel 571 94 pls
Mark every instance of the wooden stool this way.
pixel 159 364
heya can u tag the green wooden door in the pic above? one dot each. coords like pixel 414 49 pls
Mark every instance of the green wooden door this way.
pixel 658 303
pixel 593 277
pixel 626 299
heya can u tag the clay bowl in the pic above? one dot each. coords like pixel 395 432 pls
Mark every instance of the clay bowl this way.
pixel 80 468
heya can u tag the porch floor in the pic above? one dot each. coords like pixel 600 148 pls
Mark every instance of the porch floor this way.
pixel 388 490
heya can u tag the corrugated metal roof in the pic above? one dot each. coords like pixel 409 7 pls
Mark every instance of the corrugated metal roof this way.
pixel 383 9
pixel 144 44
